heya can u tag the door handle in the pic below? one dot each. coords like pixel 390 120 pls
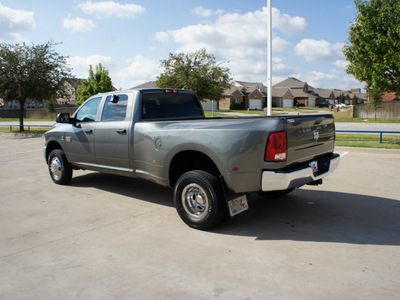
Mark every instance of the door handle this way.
pixel 90 131
pixel 121 131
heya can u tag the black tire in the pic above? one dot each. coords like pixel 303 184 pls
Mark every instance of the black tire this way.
pixel 199 199
pixel 275 194
pixel 59 168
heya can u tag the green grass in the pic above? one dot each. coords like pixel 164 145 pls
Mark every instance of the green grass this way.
pixel 250 112
pixel 240 113
pixel 33 130
pixel 368 141
pixel 209 114
pixel 17 120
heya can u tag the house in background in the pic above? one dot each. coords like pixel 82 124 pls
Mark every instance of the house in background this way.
pixel 71 86
pixel 287 93
pixel 244 95
pixel 292 92
pixel 390 97
pixel 146 85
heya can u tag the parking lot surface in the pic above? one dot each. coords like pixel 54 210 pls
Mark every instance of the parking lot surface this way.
pixel 109 237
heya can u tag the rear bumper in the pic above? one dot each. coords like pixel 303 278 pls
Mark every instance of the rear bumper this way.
pixel 273 181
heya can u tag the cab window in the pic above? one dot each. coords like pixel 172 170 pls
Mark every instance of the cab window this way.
pixel 161 105
pixel 115 108
pixel 88 112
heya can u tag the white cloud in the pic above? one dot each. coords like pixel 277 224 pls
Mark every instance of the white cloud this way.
pixel 341 63
pixel 136 71
pixel 15 22
pixel 240 38
pixel 201 11
pixel 279 44
pixel 317 78
pixel 279 67
pixel 288 24
pixel 78 24
pixel 108 9
pixel 334 78
pixel 162 36
pixel 140 69
pixel 319 50
pixel 234 30
pixel 80 64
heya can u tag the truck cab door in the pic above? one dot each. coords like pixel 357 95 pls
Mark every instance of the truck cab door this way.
pixel 112 134
pixel 79 140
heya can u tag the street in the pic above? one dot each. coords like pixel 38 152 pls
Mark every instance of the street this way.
pixel 110 237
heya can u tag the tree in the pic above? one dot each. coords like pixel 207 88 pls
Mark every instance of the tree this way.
pixel 375 100
pixel 98 82
pixel 373 45
pixel 31 72
pixel 196 71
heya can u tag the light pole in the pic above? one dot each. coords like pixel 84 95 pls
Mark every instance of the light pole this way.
pixel 269 38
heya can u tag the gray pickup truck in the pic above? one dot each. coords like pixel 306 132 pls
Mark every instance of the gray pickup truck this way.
pixel 212 163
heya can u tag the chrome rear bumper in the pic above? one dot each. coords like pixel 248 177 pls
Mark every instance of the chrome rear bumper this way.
pixel 273 181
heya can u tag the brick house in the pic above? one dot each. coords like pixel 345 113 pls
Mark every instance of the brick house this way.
pixel 68 99
pixel 282 97
pixel 287 93
pixel 291 92
pixel 250 95
pixel 388 97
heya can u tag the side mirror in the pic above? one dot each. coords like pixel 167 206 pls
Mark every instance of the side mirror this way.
pixel 63 118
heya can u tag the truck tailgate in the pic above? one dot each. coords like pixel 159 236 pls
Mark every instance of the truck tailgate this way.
pixel 309 137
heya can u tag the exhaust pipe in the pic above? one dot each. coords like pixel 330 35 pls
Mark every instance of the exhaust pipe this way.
pixel 316 182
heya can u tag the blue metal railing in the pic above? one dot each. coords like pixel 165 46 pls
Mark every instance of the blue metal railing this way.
pixel 381 132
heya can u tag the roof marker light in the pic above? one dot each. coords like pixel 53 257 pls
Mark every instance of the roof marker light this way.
pixel 171 91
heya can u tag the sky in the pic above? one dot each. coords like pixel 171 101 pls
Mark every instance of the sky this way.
pixel 130 38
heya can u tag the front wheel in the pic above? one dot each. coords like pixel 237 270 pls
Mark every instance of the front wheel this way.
pixel 59 168
pixel 199 199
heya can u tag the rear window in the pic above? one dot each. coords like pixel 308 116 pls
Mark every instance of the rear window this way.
pixel 170 106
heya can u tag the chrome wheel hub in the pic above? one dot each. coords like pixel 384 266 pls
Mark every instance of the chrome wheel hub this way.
pixel 55 168
pixel 195 201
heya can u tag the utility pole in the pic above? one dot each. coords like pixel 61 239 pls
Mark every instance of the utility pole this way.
pixel 269 37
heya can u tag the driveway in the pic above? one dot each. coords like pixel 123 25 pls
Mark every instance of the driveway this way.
pixel 108 237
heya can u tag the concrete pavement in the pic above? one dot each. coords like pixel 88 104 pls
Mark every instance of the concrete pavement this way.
pixel 368 126
pixel 108 237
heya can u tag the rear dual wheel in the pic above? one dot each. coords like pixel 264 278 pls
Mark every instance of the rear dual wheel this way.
pixel 199 199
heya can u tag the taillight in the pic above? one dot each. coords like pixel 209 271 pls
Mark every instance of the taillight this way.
pixel 276 147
